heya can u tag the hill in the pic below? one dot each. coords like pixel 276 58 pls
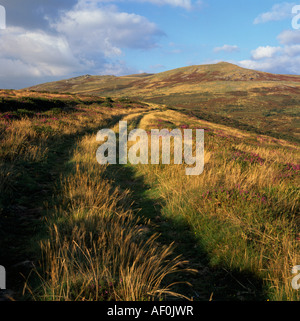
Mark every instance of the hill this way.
pixel 224 93
pixel 171 81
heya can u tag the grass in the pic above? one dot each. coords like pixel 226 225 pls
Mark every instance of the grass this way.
pixel 84 244
pixel 96 250
pixel 79 231
pixel 244 208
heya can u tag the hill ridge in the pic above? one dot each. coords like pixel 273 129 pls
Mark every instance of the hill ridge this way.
pixel 222 71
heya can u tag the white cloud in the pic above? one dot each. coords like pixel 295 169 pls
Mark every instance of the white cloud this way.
pixel 37 52
pixel 227 48
pixel 283 59
pixel 292 51
pixel 31 57
pixel 84 39
pixel 278 12
pixel 282 64
pixel 186 4
pixel 265 52
pixel 118 67
pixel 289 37
pixel 105 30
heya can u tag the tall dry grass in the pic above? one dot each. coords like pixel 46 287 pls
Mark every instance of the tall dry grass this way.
pixel 244 214
pixel 96 249
pixel 244 210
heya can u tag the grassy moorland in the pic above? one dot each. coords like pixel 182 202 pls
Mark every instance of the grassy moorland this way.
pixel 72 229
pixel 62 222
pixel 223 93
pixel 243 211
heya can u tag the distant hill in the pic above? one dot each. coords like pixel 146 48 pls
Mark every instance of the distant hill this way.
pixel 222 92
pixel 172 81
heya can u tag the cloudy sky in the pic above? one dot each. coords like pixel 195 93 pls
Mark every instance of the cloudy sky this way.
pixel 47 40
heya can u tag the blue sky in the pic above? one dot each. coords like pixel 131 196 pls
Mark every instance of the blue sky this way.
pixel 47 40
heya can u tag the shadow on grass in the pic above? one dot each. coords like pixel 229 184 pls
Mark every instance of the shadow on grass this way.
pixel 23 206
pixel 209 283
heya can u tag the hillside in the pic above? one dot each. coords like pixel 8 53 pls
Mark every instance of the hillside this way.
pixel 171 81
pixel 225 93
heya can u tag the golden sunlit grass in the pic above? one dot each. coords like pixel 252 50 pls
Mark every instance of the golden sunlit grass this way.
pixel 244 208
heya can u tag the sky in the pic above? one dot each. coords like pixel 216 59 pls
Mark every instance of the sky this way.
pixel 48 40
